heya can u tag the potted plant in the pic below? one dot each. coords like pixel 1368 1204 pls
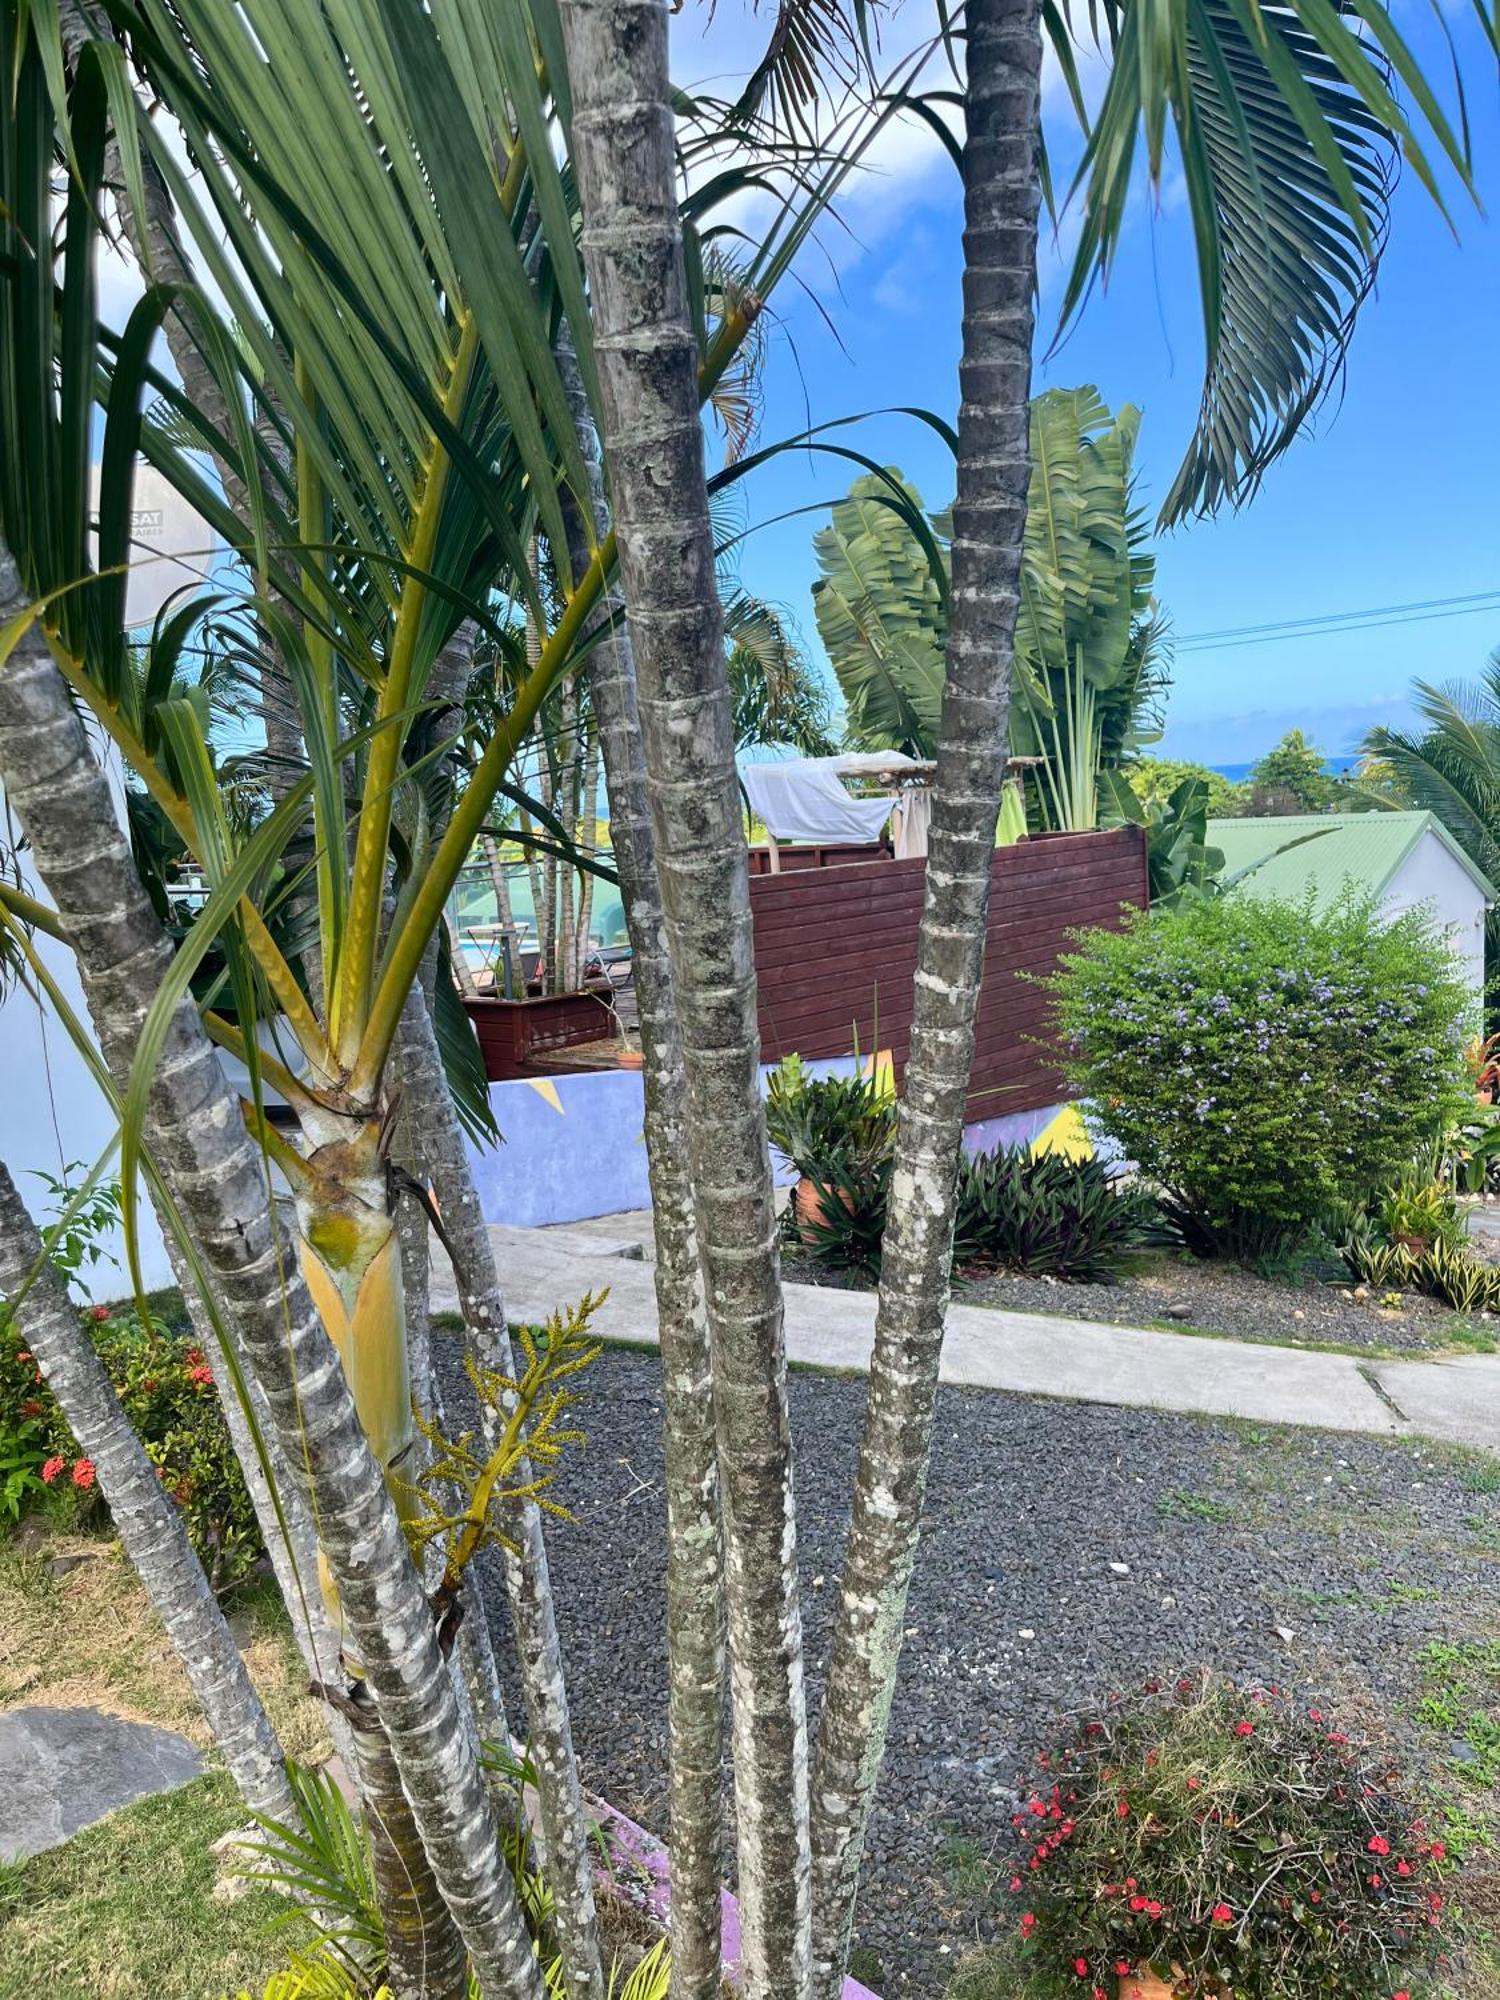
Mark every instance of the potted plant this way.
pixel 1200 1842
pixel 831 1128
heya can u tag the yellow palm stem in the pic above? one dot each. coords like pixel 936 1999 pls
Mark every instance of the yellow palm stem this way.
pixel 405 951
pixel 279 977
pixel 349 993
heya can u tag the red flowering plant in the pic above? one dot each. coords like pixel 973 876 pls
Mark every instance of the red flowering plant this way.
pixel 166 1388
pixel 1236 1844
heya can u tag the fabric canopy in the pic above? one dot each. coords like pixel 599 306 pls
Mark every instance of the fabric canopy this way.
pixel 804 799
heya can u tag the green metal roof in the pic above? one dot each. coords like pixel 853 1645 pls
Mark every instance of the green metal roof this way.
pixel 1359 850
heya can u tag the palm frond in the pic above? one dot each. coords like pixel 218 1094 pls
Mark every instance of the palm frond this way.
pixel 1289 134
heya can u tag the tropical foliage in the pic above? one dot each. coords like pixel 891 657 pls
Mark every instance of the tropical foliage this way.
pixel 384 396
pixel 1450 766
pixel 1212 1043
pixel 1089 644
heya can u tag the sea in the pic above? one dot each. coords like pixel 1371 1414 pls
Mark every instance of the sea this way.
pixel 1336 767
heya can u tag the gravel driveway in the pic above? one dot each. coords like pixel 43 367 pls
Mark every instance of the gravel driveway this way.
pixel 1069 1550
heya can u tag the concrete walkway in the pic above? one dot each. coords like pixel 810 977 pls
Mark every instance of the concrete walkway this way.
pixel 1031 1354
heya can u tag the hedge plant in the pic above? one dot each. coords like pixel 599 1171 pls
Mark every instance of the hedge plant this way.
pixel 1264 1063
pixel 1237 1842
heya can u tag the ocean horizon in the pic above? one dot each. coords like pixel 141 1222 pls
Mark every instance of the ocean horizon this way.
pixel 1336 767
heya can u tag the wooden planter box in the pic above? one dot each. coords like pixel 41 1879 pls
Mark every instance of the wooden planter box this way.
pixel 513 1033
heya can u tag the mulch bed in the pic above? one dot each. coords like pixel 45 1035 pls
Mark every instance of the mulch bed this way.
pixel 1069 1551
pixel 1313 1310
pixel 1223 1298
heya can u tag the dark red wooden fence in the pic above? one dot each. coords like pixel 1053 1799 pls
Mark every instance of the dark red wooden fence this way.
pixel 836 947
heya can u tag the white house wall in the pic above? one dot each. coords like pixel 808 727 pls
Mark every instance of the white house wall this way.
pixel 52 1113
pixel 1431 876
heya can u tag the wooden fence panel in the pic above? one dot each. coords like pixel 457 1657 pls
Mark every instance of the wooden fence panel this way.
pixel 836 949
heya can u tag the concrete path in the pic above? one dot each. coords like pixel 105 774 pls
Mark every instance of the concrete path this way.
pixel 1030 1353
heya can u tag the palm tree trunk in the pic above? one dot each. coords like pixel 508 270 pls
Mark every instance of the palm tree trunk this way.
pixel 564 1837
pixel 588 840
pixel 149 1526
pixel 653 439
pixel 1001 194
pixel 695 1550
pixel 217 1174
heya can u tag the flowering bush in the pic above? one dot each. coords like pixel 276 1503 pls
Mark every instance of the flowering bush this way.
pixel 166 1388
pixel 1235 1844
pixel 1262 1063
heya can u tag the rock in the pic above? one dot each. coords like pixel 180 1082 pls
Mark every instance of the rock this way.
pixel 63 1768
pixel 1361 1292
pixel 1179 1311
pixel 65 1565
pixel 1026 1633
pixel 1119 1569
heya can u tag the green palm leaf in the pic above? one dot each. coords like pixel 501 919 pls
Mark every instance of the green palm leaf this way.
pixel 1288 134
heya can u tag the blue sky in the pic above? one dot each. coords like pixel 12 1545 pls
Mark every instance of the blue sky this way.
pixel 1392 499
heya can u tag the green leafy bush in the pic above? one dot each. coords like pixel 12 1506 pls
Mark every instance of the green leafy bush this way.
pixel 844 1222
pixel 1048 1215
pixel 1263 1063
pixel 166 1389
pixel 1233 1843
pixel 818 1121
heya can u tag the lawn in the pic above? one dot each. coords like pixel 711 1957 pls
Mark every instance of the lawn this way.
pixel 135 1907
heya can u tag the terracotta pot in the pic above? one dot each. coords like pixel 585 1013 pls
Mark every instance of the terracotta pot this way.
pixel 630 1059
pixel 1143 1984
pixel 810 1201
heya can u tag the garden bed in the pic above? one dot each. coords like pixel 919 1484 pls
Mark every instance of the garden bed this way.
pixel 1224 1298
pixel 1211 1297
pixel 1069 1551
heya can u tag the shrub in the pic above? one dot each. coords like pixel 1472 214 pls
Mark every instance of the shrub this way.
pixel 817 1121
pixel 166 1389
pixel 1234 1843
pixel 1263 1063
pixel 844 1226
pixel 1048 1215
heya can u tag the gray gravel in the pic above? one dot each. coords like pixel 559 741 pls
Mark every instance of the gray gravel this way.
pixel 1070 1550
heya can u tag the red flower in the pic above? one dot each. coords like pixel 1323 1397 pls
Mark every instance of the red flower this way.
pixel 1438 1851
pixel 98 1314
pixel 1122 1810
pixel 31 1408
pixel 1221 1914
pixel 1028 1923
pixel 1379 1844
pixel 1081 1967
pixel 1244 1729
pixel 22 1355
pixel 84 1474
pixel 1015 1883
pixel 52 1468
pixel 201 1377
pixel 1122 1968
pixel 1194 1784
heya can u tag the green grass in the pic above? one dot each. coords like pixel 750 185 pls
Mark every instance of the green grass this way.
pixel 1177 1504
pixel 126 1910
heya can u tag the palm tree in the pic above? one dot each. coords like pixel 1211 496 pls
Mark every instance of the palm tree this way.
pixel 148 1524
pixel 434 444
pixel 779 696
pixel 1450 767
